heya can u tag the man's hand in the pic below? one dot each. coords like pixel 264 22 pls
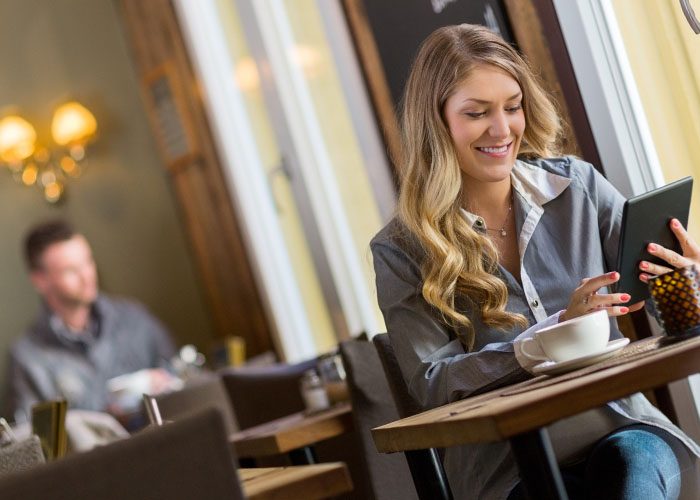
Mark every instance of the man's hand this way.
pixel 163 381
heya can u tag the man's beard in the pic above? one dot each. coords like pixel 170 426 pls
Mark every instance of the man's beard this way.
pixel 76 301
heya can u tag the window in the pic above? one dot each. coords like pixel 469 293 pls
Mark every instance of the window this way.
pixel 296 142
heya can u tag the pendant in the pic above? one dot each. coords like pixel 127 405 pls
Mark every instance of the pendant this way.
pixel 503 233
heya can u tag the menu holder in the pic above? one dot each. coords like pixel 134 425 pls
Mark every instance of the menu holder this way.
pixel 152 410
pixel 49 423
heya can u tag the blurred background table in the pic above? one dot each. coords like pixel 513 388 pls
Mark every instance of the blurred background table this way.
pixel 294 434
pixel 306 482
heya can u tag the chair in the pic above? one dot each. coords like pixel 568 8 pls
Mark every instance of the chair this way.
pixel 426 465
pixel 263 393
pixel 372 406
pixel 186 459
pixel 199 393
pixel 306 482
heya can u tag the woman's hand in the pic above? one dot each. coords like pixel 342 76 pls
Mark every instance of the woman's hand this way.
pixel 691 254
pixel 586 298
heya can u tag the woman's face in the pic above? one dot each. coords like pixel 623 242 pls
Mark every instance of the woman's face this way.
pixel 486 121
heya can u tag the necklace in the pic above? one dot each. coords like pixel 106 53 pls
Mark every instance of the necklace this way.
pixel 503 231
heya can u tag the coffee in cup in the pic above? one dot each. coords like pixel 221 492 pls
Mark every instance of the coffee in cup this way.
pixel 571 339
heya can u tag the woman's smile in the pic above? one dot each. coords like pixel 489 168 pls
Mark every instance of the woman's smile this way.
pixel 495 151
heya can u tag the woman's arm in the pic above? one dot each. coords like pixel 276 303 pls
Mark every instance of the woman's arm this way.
pixel 432 359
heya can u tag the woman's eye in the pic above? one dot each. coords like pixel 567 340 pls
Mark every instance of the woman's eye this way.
pixel 474 114
pixel 515 108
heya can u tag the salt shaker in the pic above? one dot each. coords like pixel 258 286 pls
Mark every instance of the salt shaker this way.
pixel 313 392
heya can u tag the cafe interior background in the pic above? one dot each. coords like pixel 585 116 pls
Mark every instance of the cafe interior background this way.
pixel 240 165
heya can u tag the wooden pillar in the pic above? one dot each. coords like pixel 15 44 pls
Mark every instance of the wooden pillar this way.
pixel 174 106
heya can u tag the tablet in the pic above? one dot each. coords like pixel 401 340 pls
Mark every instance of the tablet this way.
pixel 645 219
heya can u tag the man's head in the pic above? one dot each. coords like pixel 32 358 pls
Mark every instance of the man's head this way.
pixel 61 265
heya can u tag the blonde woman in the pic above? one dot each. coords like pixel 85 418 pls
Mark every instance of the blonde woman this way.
pixel 496 237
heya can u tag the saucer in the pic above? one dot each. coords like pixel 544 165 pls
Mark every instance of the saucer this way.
pixel 555 368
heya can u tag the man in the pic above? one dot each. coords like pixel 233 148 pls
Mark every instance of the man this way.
pixel 81 338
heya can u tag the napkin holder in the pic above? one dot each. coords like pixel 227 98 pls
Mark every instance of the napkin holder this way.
pixel 49 423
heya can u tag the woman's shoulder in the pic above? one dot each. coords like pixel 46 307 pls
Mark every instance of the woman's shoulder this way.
pixel 395 238
pixel 392 233
pixel 568 166
pixel 583 176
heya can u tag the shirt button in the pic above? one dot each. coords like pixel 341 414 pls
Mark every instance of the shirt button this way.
pixel 535 303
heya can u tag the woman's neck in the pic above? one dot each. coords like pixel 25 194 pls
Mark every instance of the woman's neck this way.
pixel 488 198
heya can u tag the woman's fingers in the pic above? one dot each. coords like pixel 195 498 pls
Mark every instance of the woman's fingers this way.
pixel 614 304
pixel 586 299
pixel 606 301
pixel 652 269
pixel 691 254
pixel 668 256
pixel 592 285
pixel 688 245
pixel 617 310
pixel 636 307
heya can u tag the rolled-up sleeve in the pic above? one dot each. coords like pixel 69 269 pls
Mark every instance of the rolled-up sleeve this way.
pixel 433 361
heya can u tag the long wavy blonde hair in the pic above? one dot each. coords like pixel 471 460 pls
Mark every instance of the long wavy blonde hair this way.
pixel 459 260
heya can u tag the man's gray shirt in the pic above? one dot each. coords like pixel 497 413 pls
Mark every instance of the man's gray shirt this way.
pixel 568 224
pixel 50 362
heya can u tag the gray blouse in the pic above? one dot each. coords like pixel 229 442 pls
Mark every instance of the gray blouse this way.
pixel 568 219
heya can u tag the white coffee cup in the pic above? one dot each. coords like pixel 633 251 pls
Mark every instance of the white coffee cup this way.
pixel 575 338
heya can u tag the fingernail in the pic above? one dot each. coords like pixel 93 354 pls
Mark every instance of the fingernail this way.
pixel 675 223
pixel 612 275
pixel 644 265
pixel 625 297
pixel 644 278
pixel 624 310
pixel 652 247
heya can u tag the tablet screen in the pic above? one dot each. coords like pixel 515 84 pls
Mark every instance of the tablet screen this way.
pixel 645 219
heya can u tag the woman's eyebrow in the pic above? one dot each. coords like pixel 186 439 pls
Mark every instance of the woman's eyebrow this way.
pixel 481 101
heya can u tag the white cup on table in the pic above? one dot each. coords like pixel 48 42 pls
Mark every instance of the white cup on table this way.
pixel 575 338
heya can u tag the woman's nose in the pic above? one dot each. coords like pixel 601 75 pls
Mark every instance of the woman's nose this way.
pixel 500 127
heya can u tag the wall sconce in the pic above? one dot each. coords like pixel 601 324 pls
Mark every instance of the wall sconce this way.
pixel 31 164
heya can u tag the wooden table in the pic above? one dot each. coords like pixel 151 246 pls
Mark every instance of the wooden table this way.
pixel 307 482
pixel 294 434
pixel 520 412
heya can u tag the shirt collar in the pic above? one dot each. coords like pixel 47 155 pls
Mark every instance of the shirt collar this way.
pixel 534 184
pixel 66 335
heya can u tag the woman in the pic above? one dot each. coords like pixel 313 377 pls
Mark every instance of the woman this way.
pixel 487 248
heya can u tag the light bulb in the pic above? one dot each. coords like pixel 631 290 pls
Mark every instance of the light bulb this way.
pixel 72 123
pixel 17 139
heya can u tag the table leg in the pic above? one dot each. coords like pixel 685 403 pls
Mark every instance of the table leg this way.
pixel 303 456
pixel 428 475
pixel 539 471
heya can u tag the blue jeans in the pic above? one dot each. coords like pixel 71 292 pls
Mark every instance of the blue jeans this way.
pixel 634 462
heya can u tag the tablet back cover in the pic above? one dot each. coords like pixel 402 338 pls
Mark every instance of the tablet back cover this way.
pixel 645 219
